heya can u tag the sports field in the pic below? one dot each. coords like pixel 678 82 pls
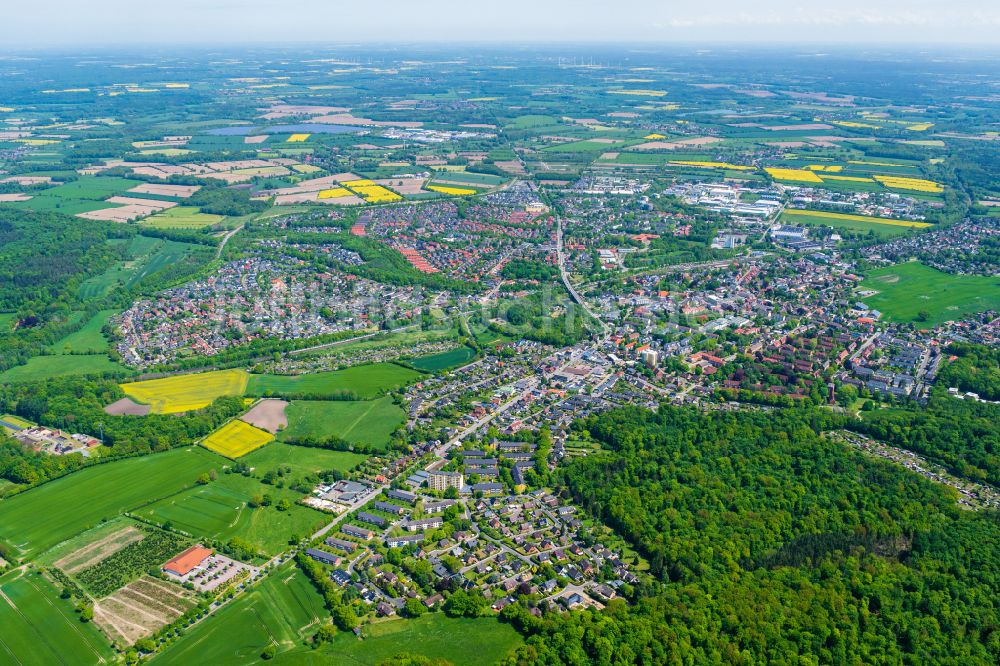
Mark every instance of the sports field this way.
pixel 906 290
pixel 362 422
pixel 79 501
pixel 39 628
pixel 182 217
pixel 285 609
pixel 218 510
pixel 303 460
pixel 361 381
pixel 449 359
pixel 47 367
pixel 236 438
pixel 183 393
pixel 857 223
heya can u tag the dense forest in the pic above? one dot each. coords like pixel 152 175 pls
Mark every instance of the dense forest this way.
pixel 976 369
pixel 771 544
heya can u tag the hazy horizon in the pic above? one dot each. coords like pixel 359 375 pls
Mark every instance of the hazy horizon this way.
pixel 104 23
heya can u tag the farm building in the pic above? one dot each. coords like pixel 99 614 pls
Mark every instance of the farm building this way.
pixel 188 561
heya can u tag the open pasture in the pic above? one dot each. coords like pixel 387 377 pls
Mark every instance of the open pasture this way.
pixel 88 340
pixel 303 460
pixel 184 393
pixel 40 368
pixel 445 360
pixel 219 510
pixel 360 381
pixel 77 502
pixel 236 439
pixel 361 422
pixel 906 290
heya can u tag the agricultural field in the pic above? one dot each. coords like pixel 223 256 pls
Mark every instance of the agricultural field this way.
pixel 132 560
pixel 360 381
pixel 47 367
pixel 236 438
pixel 445 360
pixel 184 393
pixel 140 608
pixel 146 257
pixel 906 290
pixel 361 422
pixel 182 217
pixel 301 459
pixel 862 224
pixel 285 610
pixel 77 502
pixel 219 510
pixel 87 340
pixel 94 546
pixel 39 628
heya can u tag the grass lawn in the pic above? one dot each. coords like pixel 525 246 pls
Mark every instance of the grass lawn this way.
pixel 363 422
pixel 87 340
pixel 79 501
pixel 907 289
pixel 46 367
pixel 301 459
pixel 218 510
pixel 183 393
pixel 285 609
pixel 445 360
pixel 40 628
pixel 236 438
pixel 182 217
pixel 854 223
pixel 363 381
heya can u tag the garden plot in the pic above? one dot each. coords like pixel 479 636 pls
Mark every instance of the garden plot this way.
pixel 140 609
pixel 98 551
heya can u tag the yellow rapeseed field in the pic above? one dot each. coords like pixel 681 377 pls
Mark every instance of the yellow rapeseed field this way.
pixel 920 127
pixel 881 164
pixel 184 393
pixel 236 439
pixel 335 193
pixel 798 175
pixel 371 192
pixel 831 168
pixel 456 191
pixel 298 138
pixel 713 165
pixel 915 184
pixel 853 179
pixel 851 123
pixel 654 137
pixel 856 218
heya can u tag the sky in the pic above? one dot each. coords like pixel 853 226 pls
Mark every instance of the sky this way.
pixel 47 23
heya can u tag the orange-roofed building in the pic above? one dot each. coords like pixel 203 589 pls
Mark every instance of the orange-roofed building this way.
pixel 187 561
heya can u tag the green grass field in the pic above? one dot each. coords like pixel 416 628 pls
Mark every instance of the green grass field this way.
pixel 219 510
pixel 364 381
pixel 182 217
pixel 362 422
pixel 84 194
pixel 880 229
pixel 146 256
pixel 907 289
pixel 301 459
pixel 445 360
pixel 47 367
pixel 39 628
pixel 285 610
pixel 87 340
pixel 79 501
